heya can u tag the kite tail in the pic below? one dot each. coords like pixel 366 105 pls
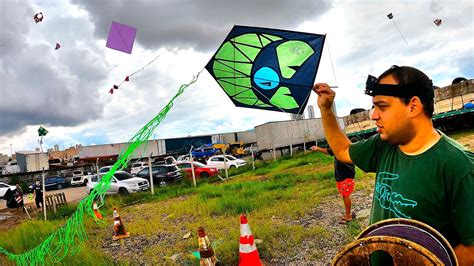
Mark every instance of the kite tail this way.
pixel 68 239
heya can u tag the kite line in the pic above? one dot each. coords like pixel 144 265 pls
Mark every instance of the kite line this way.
pixel 68 238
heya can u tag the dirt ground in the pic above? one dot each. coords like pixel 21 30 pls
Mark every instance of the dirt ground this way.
pixel 10 217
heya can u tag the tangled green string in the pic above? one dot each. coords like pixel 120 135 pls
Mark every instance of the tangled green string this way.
pixel 68 238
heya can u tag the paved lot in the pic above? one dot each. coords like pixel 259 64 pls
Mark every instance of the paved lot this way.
pixel 72 194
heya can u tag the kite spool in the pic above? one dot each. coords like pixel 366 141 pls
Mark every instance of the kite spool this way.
pixel 408 242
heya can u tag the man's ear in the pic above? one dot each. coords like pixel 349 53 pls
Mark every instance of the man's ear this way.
pixel 415 105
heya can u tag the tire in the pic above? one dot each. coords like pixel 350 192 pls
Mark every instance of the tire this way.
pixel 60 186
pixel 162 184
pixel 85 182
pixel 204 175
pixel 232 167
pixel 123 191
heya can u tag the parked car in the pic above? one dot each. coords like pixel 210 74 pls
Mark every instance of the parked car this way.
pixel 4 188
pixel 184 158
pixel 78 178
pixel 200 169
pixel 136 167
pixel 122 183
pixel 105 169
pixel 231 162
pixel 162 174
pixel 53 182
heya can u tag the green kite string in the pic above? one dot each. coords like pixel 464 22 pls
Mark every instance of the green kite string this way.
pixel 68 238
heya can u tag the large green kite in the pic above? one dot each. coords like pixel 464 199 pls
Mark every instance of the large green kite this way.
pixel 267 69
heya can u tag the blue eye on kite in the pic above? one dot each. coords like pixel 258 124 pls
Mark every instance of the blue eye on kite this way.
pixel 266 78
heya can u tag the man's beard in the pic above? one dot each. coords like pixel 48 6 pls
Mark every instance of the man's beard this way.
pixel 402 135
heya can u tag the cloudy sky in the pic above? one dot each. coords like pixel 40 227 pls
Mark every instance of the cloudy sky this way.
pixel 66 90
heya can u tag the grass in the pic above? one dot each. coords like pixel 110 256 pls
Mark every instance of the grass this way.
pixel 286 190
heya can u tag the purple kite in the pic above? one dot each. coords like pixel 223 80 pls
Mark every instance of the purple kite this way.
pixel 121 37
pixel 57 46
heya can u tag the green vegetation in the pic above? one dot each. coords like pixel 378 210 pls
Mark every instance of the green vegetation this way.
pixel 274 196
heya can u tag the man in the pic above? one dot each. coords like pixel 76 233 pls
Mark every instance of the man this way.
pixel 38 194
pixel 344 174
pixel 421 174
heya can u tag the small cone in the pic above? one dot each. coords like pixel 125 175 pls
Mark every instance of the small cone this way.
pixel 206 253
pixel 96 211
pixel 119 229
pixel 247 248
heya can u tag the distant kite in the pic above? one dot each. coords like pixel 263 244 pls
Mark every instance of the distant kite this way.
pixel 127 78
pixel 267 69
pixel 42 131
pixel 121 37
pixel 57 46
pixel 438 22
pixel 390 16
pixel 38 17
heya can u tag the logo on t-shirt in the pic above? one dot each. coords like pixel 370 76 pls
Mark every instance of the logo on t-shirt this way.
pixel 391 200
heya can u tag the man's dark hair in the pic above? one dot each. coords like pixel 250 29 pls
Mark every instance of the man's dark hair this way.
pixel 413 77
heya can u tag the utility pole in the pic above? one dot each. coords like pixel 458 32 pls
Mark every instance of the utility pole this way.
pixel 44 194
pixel 191 161
pixel 151 174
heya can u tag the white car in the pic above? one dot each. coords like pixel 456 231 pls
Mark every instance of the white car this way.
pixel 137 167
pixel 184 158
pixel 4 188
pixel 231 162
pixel 122 183
pixel 78 178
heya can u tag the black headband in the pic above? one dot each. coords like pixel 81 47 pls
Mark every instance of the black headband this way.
pixel 373 88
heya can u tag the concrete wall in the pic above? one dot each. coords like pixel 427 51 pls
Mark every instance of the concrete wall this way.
pixel 157 147
pixel 32 161
pixel 293 132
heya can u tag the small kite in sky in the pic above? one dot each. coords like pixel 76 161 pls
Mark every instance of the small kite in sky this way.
pixel 127 78
pixel 42 131
pixel 38 17
pixel 121 37
pixel 267 69
pixel 438 22
pixel 57 46
pixel 390 16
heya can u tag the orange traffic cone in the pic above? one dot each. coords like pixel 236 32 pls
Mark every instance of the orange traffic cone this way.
pixel 248 250
pixel 206 253
pixel 96 211
pixel 119 228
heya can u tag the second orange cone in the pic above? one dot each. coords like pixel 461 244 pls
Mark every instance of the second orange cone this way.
pixel 247 248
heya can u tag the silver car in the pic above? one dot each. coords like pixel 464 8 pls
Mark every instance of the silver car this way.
pixel 122 183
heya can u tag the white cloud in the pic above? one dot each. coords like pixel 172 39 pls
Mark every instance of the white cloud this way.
pixel 362 41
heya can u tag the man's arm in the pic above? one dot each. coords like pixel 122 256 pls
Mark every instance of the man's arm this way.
pixel 321 150
pixel 465 255
pixel 336 138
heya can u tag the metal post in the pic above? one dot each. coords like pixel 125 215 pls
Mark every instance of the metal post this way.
pixel 225 164
pixel 253 158
pixel 274 155
pixel 97 167
pixel 191 160
pixel 151 175
pixel 291 150
pixel 44 195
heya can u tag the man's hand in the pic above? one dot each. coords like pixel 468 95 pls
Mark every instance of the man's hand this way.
pixel 325 95
pixel 314 148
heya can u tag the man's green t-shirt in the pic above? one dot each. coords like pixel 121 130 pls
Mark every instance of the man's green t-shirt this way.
pixel 435 187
